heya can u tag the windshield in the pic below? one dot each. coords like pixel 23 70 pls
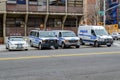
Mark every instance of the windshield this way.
pixel 47 34
pixel 101 32
pixel 68 34
pixel 16 39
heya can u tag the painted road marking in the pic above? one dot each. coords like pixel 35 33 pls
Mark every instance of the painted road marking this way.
pixel 59 55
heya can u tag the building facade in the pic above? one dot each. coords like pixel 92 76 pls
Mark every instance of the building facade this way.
pixel 18 17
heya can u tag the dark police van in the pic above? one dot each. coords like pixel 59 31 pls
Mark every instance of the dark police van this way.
pixel 43 39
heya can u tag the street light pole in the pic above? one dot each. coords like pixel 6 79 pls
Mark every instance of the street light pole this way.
pixel 104 9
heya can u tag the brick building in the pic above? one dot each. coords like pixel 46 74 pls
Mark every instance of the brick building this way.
pixel 20 16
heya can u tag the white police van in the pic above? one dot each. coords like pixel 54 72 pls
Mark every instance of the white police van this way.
pixel 95 35
pixel 67 38
pixel 43 39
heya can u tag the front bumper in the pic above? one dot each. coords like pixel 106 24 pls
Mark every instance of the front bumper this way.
pixel 16 47
pixel 72 43
pixel 49 43
pixel 106 42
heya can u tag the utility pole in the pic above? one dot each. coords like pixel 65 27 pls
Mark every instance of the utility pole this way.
pixel 104 9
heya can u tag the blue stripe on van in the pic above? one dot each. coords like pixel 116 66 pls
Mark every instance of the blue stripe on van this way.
pixel 91 37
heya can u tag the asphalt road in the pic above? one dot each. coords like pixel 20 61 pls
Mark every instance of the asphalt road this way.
pixel 63 64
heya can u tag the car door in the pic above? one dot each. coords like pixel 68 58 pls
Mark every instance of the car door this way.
pixel 60 38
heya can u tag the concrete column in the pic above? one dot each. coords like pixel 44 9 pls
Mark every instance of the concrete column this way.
pixel 26 18
pixel 63 21
pixel 66 6
pixel 45 21
pixel 4 26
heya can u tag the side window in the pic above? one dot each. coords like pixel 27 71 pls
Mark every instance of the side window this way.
pixel 93 33
pixel 60 34
pixel 31 33
pixel 37 34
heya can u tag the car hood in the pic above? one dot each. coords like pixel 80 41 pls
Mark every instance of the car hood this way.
pixel 49 38
pixel 18 42
pixel 71 38
pixel 105 36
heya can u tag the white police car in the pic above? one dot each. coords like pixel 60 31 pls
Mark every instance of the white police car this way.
pixel 67 38
pixel 43 39
pixel 16 43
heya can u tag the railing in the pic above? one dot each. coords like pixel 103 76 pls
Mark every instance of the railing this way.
pixel 57 9
pixel 16 7
pixel 36 8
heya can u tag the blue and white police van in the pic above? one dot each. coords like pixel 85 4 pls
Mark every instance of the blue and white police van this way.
pixel 67 38
pixel 94 35
pixel 43 39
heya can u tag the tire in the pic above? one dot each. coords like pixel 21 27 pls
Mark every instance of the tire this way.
pixel 26 49
pixel 96 44
pixel 77 46
pixel 63 45
pixel 56 47
pixel 9 48
pixel 108 45
pixel 31 44
pixel 39 46
pixel 81 42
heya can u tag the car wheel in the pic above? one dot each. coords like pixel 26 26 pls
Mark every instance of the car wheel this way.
pixel 81 41
pixel 6 47
pixel 9 48
pixel 77 46
pixel 96 44
pixel 39 46
pixel 63 45
pixel 26 49
pixel 56 47
pixel 108 45
pixel 31 44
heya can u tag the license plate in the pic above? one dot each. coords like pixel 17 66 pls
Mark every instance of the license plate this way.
pixel 19 46
pixel 108 43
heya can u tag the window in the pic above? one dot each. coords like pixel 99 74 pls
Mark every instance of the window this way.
pixel 57 2
pixel 11 1
pixel 75 3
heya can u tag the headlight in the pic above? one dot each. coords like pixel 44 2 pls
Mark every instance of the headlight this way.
pixel 101 39
pixel 43 41
pixel 11 43
pixel 66 40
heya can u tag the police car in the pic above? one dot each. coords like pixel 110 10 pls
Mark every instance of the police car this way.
pixel 16 43
pixel 43 39
pixel 67 38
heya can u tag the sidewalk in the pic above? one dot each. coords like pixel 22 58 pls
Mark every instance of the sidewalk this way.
pixel 3 48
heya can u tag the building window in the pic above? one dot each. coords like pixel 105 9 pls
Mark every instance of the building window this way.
pixel 38 2
pixel 53 22
pixel 57 22
pixel 75 3
pixel 35 22
pixel 11 1
pixel 50 22
pixel 57 2
pixel 14 22
pixel 70 22
pixel 34 2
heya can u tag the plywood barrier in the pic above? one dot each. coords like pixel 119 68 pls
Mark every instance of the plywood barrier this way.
pixel 1 40
pixel 111 28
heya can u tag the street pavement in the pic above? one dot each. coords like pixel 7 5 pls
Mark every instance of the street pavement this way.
pixel 3 48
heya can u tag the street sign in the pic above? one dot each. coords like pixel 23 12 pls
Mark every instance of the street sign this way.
pixel 101 13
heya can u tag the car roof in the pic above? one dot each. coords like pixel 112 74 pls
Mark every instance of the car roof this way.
pixel 15 37
pixel 62 30
pixel 41 31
